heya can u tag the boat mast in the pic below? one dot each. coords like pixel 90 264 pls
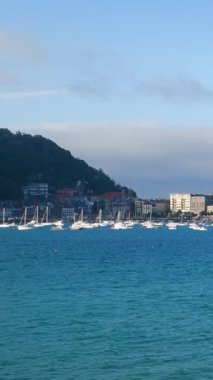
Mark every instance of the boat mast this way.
pixel 25 215
pixel 47 214
pixel 3 215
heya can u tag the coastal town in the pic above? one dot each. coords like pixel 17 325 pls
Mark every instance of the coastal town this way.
pixel 68 204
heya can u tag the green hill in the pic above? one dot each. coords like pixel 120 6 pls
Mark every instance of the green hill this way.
pixel 25 158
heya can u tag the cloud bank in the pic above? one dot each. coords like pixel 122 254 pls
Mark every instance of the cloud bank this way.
pixel 149 157
pixel 184 89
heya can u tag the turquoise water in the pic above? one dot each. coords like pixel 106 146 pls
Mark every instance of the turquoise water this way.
pixel 102 304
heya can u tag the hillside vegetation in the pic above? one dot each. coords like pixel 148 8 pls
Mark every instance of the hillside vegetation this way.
pixel 25 158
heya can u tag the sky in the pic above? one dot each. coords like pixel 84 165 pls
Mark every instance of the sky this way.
pixel 126 85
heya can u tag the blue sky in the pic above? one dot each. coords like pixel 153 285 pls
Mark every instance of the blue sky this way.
pixel 125 85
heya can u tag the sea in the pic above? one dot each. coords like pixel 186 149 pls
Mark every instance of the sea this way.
pixel 101 304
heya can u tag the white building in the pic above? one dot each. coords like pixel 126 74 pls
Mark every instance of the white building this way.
pixel 35 189
pixel 210 209
pixel 180 202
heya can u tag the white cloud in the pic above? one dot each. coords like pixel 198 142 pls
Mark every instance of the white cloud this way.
pixel 31 94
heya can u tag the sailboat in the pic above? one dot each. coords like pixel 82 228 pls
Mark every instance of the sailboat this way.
pixel 45 219
pixel 149 224
pixel 80 224
pixel 23 222
pixel 181 223
pixel 99 220
pixel 119 225
pixel 171 225
pixel 34 221
pixel 129 223
pixel 75 225
pixel 4 224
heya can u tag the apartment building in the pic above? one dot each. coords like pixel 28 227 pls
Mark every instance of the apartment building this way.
pixel 180 202
pixel 198 204
pixel 35 190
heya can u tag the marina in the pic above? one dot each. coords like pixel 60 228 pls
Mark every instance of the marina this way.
pixel 118 224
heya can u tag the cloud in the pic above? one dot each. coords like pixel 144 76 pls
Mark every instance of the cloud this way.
pixel 154 157
pixel 90 88
pixel 7 78
pixel 92 71
pixel 89 72
pixel 151 150
pixel 32 94
pixel 89 60
pixel 23 47
pixel 95 71
pixel 182 89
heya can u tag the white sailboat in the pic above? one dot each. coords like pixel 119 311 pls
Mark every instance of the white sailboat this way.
pixel 149 224
pixel 76 225
pixel 45 219
pixel 81 224
pixel 34 221
pixel 119 225
pixel 99 220
pixel 23 222
pixel 84 224
pixel 58 227
pixel 4 224
pixel 130 223
pixel 197 227
pixel 181 223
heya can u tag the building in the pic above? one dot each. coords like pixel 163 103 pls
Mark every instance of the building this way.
pixel 65 195
pixel 193 203
pixel 143 208
pixel 210 209
pixel 161 207
pixel 147 208
pixel 180 202
pixel 138 209
pixel 114 202
pixel 198 204
pixel 37 189
pixel 67 213
pixel 209 200
pixel 156 207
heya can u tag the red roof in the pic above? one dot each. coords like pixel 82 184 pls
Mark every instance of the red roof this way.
pixel 111 195
pixel 66 191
